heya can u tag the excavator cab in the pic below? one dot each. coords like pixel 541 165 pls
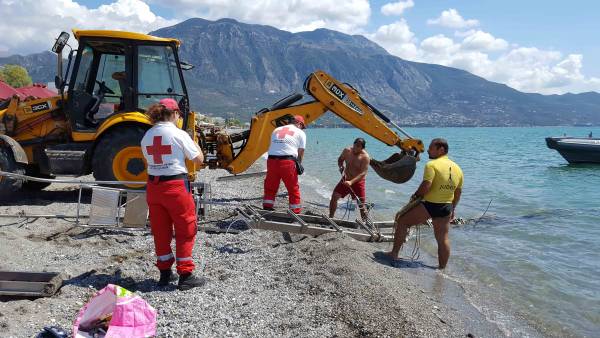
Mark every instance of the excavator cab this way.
pixel 97 120
pixel 115 73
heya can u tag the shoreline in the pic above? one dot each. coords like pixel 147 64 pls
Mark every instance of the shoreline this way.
pixel 470 294
pixel 259 284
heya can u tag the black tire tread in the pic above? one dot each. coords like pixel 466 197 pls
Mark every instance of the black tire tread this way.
pixel 8 186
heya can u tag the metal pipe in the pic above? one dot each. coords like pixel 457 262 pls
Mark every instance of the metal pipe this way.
pixel 400 129
pixel 78 204
pixel 51 180
pixel 87 184
pixel 43 216
pixel 59 69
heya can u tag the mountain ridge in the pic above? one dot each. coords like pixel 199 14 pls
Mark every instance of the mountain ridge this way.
pixel 241 68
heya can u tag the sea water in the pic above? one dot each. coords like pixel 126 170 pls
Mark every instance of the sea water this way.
pixel 536 250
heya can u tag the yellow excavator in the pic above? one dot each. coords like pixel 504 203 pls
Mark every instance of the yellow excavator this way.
pixel 95 123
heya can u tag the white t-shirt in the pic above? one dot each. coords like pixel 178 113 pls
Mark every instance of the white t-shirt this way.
pixel 286 140
pixel 166 147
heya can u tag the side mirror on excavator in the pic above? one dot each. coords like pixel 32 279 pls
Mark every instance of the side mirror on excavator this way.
pixel 58 47
pixel 61 42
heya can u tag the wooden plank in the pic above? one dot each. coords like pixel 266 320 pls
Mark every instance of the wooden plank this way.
pixel 26 276
pixel 41 284
pixel 316 231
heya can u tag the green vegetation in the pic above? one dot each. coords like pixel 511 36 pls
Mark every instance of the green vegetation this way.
pixel 15 75
pixel 233 122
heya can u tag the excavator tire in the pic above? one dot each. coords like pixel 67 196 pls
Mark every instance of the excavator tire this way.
pixel 33 185
pixel 118 157
pixel 8 186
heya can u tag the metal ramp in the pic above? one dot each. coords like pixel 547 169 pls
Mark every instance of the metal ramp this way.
pixel 319 224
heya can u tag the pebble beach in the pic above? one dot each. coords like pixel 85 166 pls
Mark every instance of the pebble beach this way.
pixel 259 284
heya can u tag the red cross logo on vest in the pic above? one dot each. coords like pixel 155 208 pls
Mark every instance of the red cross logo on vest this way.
pixel 283 132
pixel 157 150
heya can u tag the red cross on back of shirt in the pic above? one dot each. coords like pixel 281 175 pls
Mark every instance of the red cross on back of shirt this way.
pixel 283 132
pixel 157 150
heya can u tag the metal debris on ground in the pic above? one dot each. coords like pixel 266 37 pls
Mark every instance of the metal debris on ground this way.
pixel 29 284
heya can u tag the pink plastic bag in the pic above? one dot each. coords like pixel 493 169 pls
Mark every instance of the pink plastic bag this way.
pixel 131 315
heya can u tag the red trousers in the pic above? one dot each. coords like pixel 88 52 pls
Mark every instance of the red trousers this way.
pixel 171 205
pixel 282 170
pixel 357 190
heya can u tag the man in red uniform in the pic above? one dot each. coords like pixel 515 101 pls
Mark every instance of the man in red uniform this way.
pixel 356 160
pixel 170 201
pixel 287 146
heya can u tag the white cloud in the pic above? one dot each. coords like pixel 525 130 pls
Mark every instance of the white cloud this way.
pixel 291 15
pixel 31 26
pixel 397 38
pixel 452 19
pixel 396 8
pixel 528 69
pixel 439 45
pixel 549 72
pixel 480 40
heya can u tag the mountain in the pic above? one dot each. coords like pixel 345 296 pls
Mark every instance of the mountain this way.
pixel 41 66
pixel 241 68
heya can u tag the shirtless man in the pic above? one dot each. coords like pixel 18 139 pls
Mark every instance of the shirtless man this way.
pixel 354 172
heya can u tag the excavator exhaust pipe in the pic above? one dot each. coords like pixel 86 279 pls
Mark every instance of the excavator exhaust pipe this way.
pixel 398 168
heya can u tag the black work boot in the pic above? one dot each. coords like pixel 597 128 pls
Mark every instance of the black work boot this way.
pixel 166 277
pixel 190 281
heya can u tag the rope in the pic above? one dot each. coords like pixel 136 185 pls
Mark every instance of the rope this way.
pixel 359 203
pixel 416 250
pixel 21 223
pixel 486 209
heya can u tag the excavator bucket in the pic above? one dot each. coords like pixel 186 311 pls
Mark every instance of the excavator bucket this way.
pixel 398 168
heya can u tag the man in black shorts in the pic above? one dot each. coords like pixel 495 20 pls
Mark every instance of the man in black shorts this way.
pixel 439 193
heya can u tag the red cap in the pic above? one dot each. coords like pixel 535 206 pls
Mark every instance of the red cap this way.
pixel 300 119
pixel 169 104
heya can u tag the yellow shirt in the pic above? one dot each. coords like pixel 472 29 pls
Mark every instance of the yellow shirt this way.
pixel 445 177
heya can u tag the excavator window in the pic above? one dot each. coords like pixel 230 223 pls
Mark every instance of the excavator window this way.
pixel 83 73
pixel 111 72
pixel 158 75
pixel 100 81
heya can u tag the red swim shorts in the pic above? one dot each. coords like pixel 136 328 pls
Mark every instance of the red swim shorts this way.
pixel 358 188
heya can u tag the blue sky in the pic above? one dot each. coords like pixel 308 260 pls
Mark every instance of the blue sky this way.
pixel 534 46
pixel 568 26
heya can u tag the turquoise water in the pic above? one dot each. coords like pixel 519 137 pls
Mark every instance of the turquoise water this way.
pixel 537 246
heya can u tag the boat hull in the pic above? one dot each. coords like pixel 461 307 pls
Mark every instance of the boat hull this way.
pixel 576 150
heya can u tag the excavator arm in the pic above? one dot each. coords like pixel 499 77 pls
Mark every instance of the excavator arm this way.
pixel 329 94
pixel 345 101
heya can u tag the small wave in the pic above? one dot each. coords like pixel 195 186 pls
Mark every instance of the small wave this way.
pixel 388 191
pixel 316 185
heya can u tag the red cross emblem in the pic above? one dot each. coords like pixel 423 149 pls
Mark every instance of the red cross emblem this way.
pixel 283 132
pixel 157 150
